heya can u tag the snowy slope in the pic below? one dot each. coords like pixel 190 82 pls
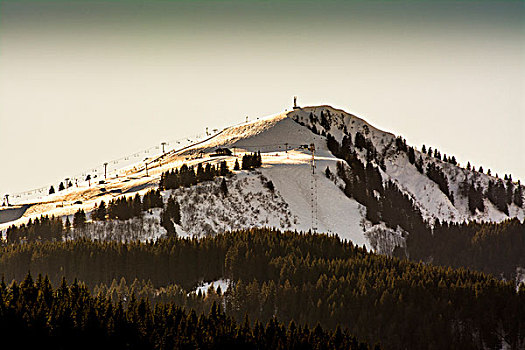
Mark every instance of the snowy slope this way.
pixel 433 203
pixel 303 200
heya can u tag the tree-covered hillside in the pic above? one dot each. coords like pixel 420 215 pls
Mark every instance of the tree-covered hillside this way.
pixel 308 278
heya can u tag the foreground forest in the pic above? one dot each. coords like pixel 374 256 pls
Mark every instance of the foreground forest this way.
pixel 305 278
pixel 36 315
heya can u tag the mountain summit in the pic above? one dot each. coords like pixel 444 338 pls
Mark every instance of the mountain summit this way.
pixel 323 169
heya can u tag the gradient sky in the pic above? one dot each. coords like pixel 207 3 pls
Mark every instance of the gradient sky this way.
pixel 83 82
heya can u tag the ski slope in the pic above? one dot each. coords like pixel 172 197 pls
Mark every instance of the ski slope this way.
pixel 304 198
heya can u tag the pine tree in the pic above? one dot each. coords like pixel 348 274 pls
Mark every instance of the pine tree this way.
pixel 518 196
pixel 61 186
pixel 67 228
pixel 165 221
pixel 51 190
pixel 101 212
pixel 224 187
pixel 223 169
pixel 419 165
pixel 328 173
pixel 137 205
pixel 411 155
pixel 173 210
pixel 236 167
pixel 79 219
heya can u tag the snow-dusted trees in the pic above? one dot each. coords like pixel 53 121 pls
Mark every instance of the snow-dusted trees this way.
pixel 475 198
pixel 437 175
pixel 518 195
pixel 224 187
pixel 497 194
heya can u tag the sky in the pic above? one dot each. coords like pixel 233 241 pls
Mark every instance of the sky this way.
pixel 84 82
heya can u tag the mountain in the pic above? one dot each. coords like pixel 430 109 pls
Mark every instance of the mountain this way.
pixel 300 197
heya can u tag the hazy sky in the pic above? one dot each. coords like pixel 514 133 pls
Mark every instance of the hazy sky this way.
pixel 82 82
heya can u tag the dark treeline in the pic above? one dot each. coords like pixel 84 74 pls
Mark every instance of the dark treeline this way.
pixel 437 154
pixel 125 208
pixel 467 245
pixel 38 316
pixel 433 170
pixel 188 176
pixel 497 248
pixel 44 228
pixel 436 174
pixel 250 161
pixel 501 192
pixel 48 229
pixel 452 160
pixel 308 278
pixel 384 202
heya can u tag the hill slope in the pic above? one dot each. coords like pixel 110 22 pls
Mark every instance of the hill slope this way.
pixel 303 199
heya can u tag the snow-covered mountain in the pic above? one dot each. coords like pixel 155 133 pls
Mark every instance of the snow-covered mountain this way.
pixel 304 197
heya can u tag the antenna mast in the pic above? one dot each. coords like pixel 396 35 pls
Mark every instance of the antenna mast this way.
pixel 295 106
pixel 313 202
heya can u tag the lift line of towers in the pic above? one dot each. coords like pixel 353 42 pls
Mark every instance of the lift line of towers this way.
pixel 311 148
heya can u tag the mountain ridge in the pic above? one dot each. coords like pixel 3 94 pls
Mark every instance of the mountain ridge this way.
pixel 281 138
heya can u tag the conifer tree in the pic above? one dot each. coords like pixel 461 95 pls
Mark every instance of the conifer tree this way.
pixel 79 219
pixel 67 228
pixel 224 187
pixel 51 190
pixel 518 196
pixel 100 212
pixel 411 155
pixel 328 173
